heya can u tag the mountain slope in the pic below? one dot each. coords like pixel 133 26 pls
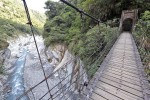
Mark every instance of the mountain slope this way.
pixel 13 19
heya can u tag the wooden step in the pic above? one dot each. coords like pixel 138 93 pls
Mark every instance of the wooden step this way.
pixel 117 92
pixel 123 87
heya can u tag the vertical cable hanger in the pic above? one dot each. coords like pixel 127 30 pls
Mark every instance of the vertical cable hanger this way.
pixel 31 27
pixel 79 10
pixel 99 27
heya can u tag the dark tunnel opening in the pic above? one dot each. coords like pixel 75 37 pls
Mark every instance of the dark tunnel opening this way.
pixel 127 25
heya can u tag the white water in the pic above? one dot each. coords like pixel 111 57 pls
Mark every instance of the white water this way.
pixel 16 81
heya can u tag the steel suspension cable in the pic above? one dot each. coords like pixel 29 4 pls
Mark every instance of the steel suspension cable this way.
pixel 32 31
pixel 43 81
pixel 84 71
pixel 59 82
pixel 79 10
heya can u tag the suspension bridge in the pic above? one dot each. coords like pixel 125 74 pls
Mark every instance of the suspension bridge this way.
pixel 120 76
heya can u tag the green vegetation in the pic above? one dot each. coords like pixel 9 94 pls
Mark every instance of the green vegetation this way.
pixel 3 44
pixel 13 20
pixel 84 37
pixel 110 9
pixel 13 10
pixel 2 69
pixel 142 36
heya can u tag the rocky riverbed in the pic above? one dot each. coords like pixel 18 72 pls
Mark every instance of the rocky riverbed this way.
pixel 4 54
pixel 57 60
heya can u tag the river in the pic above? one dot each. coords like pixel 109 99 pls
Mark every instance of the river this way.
pixel 25 69
pixel 16 81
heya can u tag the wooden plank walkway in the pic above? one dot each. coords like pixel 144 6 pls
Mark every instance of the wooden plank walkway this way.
pixel 121 75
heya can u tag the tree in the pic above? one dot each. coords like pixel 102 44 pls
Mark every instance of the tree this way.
pixel 53 9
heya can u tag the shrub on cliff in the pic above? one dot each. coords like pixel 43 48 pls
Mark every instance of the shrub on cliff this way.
pixel 3 44
pixel 142 37
pixel 1 69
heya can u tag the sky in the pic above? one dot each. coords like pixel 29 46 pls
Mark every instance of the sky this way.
pixel 37 4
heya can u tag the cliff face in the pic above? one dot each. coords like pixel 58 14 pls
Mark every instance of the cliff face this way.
pixel 57 62
pixel 60 65
pixel 73 66
pixel 4 54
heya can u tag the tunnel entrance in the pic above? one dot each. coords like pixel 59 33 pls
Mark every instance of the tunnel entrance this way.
pixel 127 25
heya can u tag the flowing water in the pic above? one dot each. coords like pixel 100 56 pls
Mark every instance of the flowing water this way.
pixel 16 81
pixel 20 49
pixel 26 70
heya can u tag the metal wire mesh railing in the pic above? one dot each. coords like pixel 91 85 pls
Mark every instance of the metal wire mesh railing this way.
pixel 63 92
pixel 141 36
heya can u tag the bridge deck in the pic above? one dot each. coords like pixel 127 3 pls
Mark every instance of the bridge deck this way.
pixel 121 75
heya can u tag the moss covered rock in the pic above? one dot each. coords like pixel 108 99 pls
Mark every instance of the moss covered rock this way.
pixel 3 44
